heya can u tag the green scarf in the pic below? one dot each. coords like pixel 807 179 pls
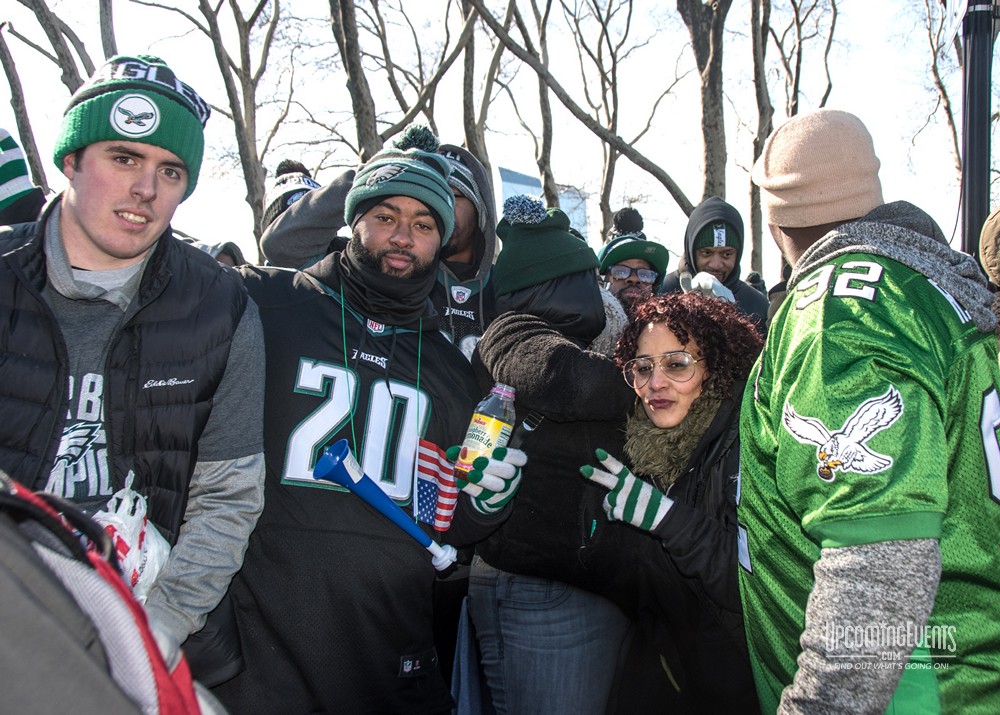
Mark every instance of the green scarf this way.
pixel 662 454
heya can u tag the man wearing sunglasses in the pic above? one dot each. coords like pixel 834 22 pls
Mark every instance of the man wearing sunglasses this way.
pixel 633 267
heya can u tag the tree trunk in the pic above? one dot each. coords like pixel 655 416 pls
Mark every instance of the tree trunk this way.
pixel 27 138
pixel 345 32
pixel 760 16
pixel 108 43
pixel 50 25
pixel 705 23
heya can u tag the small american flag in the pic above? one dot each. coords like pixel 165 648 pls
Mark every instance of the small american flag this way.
pixel 437 492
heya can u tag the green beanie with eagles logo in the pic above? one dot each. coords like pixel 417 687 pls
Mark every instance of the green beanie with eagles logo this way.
pixel 537 246
pixel 410 168
pixel 137 99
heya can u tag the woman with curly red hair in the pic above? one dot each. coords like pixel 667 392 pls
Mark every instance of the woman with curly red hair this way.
pixel 686 356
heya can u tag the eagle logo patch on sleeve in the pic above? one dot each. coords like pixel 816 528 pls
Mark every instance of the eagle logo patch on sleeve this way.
pixel 845 449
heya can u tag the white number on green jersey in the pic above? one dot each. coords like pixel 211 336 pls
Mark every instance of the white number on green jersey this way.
pixel 391 428
pixel 989 422
pixel 854 280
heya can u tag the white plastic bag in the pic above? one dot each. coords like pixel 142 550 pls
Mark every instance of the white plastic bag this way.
pixel 141 549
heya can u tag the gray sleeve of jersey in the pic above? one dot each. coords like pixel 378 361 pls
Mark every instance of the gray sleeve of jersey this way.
pixel 872 586
pixel 225 501
pixel 235 428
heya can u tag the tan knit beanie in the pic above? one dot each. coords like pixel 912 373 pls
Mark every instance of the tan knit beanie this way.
pixel 989 246
pixel 818 168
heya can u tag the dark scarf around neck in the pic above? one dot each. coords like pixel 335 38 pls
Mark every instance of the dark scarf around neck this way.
pixel 386 299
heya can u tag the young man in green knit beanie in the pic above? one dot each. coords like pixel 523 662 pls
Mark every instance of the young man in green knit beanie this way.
pixel 132 357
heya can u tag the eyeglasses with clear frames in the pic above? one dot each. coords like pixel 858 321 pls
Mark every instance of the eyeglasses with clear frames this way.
pixel 622 273
pixel 679 366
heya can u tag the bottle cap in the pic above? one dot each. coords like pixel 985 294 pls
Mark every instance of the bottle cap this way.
pixel 503 390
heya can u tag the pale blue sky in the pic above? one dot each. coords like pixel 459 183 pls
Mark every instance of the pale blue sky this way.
pixel 879 73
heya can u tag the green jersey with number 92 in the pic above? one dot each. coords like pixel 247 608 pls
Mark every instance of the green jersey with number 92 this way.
pixel 872 415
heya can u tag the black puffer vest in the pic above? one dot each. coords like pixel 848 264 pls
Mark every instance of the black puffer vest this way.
pixel 162 370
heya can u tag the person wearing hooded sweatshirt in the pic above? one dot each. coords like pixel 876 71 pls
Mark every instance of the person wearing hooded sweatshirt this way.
pixel 334 602
pixel 870 497
pixel 549 642
pixel 713 245
pixel 463 295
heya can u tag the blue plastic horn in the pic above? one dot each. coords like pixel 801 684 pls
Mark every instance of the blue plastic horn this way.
pixel 339 466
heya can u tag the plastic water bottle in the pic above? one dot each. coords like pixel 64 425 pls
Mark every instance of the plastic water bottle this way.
pixel 490 427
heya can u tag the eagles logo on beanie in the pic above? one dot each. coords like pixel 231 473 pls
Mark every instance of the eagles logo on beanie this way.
pixel 537 246
pixel 410 168
pixel 137 99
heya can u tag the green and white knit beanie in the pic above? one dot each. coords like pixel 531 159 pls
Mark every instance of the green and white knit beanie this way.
pixel 137 99
pixel 14 180
pixel 537 246
pixel 410 168
pixel 718 234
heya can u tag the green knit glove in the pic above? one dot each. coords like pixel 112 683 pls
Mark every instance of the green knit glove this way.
pixel 631 500
pixel 493 481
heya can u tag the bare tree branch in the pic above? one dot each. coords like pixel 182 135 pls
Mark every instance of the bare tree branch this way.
pixel 51 27
pixel 21 114
pixel 626 149
pixel 108 44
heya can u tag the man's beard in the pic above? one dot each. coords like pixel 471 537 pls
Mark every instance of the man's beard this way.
pixel 373 260
pixel 633 297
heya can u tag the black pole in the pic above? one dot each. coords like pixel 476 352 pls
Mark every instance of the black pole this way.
pixel 977 35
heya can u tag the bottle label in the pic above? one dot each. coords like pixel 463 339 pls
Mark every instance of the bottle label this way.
pixel 485 434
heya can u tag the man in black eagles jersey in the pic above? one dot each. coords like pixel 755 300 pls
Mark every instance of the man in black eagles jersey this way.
pixel 464 295
pixel 334 602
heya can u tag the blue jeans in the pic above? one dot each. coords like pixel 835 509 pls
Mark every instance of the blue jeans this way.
pixel 546 647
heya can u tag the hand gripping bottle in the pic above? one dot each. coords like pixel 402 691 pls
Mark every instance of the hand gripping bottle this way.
pixel 490 427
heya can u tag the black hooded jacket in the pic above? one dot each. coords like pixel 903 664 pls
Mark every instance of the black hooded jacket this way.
pixel 557 528
pixel 714 210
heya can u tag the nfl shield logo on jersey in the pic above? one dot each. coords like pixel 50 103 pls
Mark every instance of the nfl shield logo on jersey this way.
pixel 376 328
pixel 460 293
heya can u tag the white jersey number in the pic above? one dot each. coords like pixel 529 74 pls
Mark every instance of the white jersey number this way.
pixel 388 432
pixel 849 284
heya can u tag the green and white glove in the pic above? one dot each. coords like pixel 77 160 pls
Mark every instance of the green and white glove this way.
pixel 631 500
pixel 493 481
